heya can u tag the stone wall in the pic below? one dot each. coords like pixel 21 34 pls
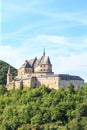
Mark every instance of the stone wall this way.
pixel 49 81
pixel 76 83
pixel 23 72
pixel 11 85
pixel 43 68
pixel 17 84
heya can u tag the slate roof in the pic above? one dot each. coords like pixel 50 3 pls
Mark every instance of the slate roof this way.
pixel 32 61
pixel 35 62
pixel 26 65
pixel 62 76
pixel 45 60
pixel 69 77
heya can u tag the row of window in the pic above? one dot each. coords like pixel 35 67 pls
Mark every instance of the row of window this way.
pixel 42 66
pixel 28 71
pixel 45 70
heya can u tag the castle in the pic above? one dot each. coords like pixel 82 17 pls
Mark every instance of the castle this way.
pixel 37 72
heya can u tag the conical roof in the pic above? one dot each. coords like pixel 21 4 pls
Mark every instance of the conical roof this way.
pixel 9 70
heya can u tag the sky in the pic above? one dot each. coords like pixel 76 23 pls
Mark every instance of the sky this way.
pixel 59 26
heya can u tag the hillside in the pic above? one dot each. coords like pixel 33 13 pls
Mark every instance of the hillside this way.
pixel 3 71
pixel 42 108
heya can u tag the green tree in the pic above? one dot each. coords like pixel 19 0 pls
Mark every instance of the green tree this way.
pixel 2 89
pixel 71 88
pixel 3 72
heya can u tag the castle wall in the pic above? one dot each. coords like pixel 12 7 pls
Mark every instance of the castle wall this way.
pixel 23 72
pixel 10 86
pixel 17 84
pixel 26 82
pixel 76 83
pixel 49 81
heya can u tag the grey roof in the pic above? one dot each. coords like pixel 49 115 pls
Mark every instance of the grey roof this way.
pixel 35 62
pixel 45 60
pixel 26 65
pixel 32 61
pixel 62 77
pixel 69 77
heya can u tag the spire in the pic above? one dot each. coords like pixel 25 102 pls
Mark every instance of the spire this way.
pixel 9 70
pixel 44 52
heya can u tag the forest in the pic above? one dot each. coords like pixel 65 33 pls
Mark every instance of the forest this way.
pixel 43 108
pixel 3 71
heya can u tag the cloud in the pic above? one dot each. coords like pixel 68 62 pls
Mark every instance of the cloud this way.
pixel 58 48
pixel 73 64
pixel 9 54
pixel 34 25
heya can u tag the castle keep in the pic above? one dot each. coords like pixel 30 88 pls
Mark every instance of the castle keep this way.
pixel 37 72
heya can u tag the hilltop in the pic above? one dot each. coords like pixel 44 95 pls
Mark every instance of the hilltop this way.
pixel 3 71
pixel 42 108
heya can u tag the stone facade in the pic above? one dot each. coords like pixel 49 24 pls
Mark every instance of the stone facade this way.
pixel 37 72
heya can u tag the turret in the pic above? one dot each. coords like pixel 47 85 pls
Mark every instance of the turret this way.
pixel 9 76
pixel 44 52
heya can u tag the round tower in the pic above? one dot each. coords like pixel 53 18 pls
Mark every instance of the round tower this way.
pixel 9 76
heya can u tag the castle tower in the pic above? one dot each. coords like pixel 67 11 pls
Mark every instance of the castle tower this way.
pixel 9 76
pixel 44 66
pixel 26 69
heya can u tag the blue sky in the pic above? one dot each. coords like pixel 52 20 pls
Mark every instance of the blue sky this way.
pixel 59 26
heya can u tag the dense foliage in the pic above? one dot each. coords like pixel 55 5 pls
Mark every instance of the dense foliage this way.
pixel 3 71
pixel 43 109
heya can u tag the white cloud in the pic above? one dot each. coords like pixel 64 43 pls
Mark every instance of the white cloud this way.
pixel 58 48
pixel 67 54
pixel 74 64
